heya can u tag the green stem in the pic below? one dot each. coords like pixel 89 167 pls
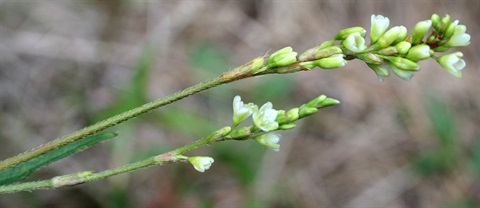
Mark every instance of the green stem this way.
pixel 74 179
pixel 79 178
pixel 224 78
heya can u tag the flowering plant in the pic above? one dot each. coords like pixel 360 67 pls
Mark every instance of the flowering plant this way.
pixel 389 50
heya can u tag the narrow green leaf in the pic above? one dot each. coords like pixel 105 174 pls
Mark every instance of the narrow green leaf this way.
pixel 24 169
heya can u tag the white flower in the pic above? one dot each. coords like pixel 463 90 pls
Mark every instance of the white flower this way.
pixel 459 38
pixel 379 25
pixel 265 118
pixel 452 63
pixel 355 42
pixel 241 111
pixel 270 140
pixel 201 163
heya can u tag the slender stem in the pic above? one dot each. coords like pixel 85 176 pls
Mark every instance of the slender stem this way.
pixel 224 78
pixel 74 179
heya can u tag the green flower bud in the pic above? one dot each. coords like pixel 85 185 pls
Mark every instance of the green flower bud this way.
pixel 327 52
pixel 405 75
pixel 403 63
pixel 292 114
pixel 419 31
pixel 328 102
pixel 388 51
pixel 436 21
pixel 369 58
pixel 316 101
pixel 319 52
pixel 306 111
pixel 326 44
pixel 287 126
pixel 402 35
pixel 388 38
pixel 450 29
pixel 382 70
pixel 320 102
pixel 444 24
pixel 241 133
pixel 346 32
pixel 257 65
pixel 355 43
pixel 335 61
pixel 308 64
pixel 379 25
pixel 419 52
pixel 403 47
pixel 441 49
pixel 281 117
pixel 282 57
pixel 452 63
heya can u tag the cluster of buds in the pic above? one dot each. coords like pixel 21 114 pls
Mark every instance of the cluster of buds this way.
pixel 393 50
pixel 266 120
pixel 389 50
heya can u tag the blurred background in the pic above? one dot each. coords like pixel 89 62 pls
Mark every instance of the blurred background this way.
pixel 66 64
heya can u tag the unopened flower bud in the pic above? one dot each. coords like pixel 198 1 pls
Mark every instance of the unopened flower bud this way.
pixel 419 52
pixel 403 47
pixel 441 48
pixel 343 34
pixel 327 52
pixel 450 29
pixel 287 126
pixel 436 21
pixel 326 44
pixel 403 63
pixel 419 31
pixel 269 140
pixel 452 63
pixel 292 114
pixel 319 52
pixel 306 111
pixel 402 35
pixel 241 133
pixel 257 65
pixel 335 61
pixel 445 22
pixel 388 51
pixel 308 64
pixel 379 25
pixel 403 74
pixel 382 70
pixel 201 163
pixel 320 102
pixel 369 58
pixel 282 57
pixel 388 38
